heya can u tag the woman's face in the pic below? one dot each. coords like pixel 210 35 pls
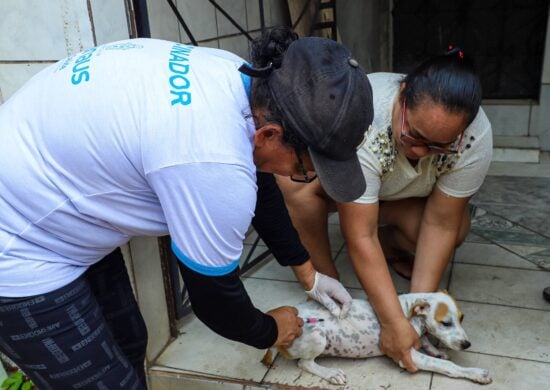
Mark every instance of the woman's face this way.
pixel 284 161
pixel 272 155
pixel 428 128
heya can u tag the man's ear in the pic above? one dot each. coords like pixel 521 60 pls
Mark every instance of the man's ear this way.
pixel 268 133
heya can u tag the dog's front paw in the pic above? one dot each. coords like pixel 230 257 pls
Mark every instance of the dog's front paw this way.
pixel 480 375
pixel 336 376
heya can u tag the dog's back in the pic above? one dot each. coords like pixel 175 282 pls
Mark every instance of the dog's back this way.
pixel 355 336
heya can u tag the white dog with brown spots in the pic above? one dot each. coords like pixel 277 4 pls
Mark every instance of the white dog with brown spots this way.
pixel 357 336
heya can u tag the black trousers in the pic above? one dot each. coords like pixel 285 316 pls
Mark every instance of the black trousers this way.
pixel 87 335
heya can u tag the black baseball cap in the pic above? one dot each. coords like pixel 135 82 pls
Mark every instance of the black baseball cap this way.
pixel 325 97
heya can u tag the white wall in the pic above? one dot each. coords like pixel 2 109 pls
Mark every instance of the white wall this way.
pixel 36 33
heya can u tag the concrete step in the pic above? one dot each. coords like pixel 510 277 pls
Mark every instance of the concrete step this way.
pixel 516 149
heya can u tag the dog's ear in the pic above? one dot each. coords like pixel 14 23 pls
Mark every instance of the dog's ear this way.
pixel 419 308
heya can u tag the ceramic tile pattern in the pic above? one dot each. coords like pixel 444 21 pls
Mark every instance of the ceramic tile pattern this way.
pixel 497 277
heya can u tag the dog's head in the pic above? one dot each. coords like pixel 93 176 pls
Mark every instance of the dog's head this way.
pixel 441 318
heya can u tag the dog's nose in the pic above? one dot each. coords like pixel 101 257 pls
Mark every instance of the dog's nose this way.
pixel 465 344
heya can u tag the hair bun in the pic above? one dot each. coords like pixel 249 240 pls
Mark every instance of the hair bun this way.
pixel 271 46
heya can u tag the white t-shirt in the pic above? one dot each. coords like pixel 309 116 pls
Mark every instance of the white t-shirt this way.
pixel 389 174
pixel 138 137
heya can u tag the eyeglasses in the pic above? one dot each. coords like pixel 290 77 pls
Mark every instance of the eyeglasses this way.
pixel 305 178
pixel 432 147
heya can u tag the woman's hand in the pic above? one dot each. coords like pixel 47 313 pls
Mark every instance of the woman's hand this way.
pixel 396 340
pixel 330 292
pixel 289 325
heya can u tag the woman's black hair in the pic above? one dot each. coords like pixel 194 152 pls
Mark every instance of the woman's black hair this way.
pixel 449 80
pixel 268 50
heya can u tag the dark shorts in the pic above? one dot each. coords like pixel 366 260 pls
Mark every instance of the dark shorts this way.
pixel 86 335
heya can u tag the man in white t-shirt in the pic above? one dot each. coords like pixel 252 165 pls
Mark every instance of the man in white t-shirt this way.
pixel 148 137
pixel 427 152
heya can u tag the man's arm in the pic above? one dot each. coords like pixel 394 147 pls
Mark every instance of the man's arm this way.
pixel 222 303
pixel 273 224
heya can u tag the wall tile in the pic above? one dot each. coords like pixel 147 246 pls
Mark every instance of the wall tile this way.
pixel 213 44
pixel 234 8
pixel 200 17
pixel 515 155
pixel 163 23
pixel 253 14
pixel 109 20
pixel 13 76
pixel 540 118
pixel 40 30
pixel 508 119
pixel 237 44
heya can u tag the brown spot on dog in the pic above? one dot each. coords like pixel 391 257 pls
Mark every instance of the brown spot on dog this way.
pixel 283 351
pixel 441 312
pixel 268 358
pixel 460 313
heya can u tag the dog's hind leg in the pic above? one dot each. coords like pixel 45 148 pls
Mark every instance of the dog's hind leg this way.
pixel 446 367
pixel 306 348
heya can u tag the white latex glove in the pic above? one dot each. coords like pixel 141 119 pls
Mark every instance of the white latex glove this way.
pixel 327 291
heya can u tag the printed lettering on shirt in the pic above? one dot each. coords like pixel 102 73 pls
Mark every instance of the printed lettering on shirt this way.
pixel 178 65
pixel 81 66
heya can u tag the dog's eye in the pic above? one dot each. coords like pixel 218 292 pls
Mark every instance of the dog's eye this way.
pixel 447 324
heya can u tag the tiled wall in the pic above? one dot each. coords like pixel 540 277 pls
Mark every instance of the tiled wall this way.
pixel 209 26
pixel 34 34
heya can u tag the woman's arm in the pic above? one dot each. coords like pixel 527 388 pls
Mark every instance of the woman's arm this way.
pixel 444 224
pixel 359 224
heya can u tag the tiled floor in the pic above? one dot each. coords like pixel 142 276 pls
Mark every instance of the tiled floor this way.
pixel 497 277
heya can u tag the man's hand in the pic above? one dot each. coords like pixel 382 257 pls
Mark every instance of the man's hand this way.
pixel 289 325
pixel 396 341
pixel 327 291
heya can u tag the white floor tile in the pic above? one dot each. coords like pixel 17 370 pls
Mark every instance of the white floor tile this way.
pixel 161 381
pixel 372 373
pixel 490 254
pixel 507 373
pixel 508 331
pixel 503 286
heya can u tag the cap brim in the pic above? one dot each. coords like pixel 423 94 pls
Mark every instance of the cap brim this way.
pixel 343 181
